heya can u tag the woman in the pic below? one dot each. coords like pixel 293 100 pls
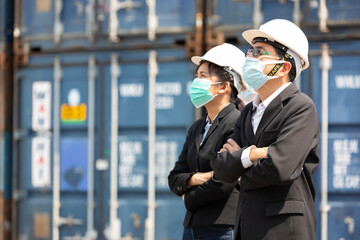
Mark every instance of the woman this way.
pixel 211 204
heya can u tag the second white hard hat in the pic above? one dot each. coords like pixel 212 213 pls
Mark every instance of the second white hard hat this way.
pixel 229 57
pixel 287 34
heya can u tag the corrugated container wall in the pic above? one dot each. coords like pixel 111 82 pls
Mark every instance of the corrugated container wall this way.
pixel 102 109
pixel 87 75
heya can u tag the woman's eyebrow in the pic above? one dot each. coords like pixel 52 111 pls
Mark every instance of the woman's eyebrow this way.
pixel 202 72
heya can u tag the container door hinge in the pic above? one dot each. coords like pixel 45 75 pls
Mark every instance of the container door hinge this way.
pixel 19 134
pixel 69 221
pixel 21 52
pixel 19 194
pixel 351 224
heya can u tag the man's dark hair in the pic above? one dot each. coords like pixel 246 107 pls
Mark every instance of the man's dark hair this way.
pixel 281 54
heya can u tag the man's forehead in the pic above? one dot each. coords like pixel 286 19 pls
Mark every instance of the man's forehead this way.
pixel 263 46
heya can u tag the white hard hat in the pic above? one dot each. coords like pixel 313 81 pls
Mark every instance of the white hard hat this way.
pixel 287 34
pixel 229 57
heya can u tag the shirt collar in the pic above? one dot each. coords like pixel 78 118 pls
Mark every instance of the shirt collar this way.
pixel 268 100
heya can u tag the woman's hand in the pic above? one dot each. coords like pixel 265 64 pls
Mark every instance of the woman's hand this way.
pixel 231 146
pixel 199 178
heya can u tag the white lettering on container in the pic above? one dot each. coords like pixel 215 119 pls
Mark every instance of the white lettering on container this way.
pixel 347 81
pixel 344 176
pixel 129 153
pixel 166 156
pixel 131 90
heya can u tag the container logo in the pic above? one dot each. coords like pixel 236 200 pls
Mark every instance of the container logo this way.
pixel 74 112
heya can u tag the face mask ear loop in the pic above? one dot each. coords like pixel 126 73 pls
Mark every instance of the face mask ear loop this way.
pixel 275 69
pixel 235 77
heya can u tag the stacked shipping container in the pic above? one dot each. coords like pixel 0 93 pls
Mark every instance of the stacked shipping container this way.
pixel 102 109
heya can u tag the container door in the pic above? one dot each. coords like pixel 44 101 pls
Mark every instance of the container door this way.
pixel 174 113
pixel 57 96
pixel 343 172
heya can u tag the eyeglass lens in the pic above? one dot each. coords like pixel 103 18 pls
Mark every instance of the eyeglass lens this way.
pixel 256 52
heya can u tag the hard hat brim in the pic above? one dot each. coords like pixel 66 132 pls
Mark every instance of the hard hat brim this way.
pixel 249 36
pixel 197 59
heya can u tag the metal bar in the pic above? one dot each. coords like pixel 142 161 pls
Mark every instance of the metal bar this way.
pixel 152 19
pixel 323 15
pixel 297 12
pixel 101 138
pixel 258 17
pixel 90 232
pixel 325 67
pixel 113 21
pixel 297 20
pixel 120 33
pixel 58 25
pixel 114 221
pixel 6 122
pixel 56 150
pixel 91 25
pixel 150 221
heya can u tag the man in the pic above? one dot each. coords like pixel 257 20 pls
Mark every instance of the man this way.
pixel 273 151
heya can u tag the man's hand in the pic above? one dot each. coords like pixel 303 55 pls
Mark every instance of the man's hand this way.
pixel 199 178
pixel 231 146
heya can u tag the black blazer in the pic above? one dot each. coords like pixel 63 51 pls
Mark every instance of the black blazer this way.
pixel 214 202
pixel 277 193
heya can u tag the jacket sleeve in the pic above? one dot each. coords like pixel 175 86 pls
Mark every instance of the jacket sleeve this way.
pixel 228 166
pixel 181 172
pixel 287 154
pixel 210 191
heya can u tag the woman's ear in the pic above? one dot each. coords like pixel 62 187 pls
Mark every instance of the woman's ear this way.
pixel 224 87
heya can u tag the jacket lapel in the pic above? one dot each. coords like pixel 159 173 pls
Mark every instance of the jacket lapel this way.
pixel 200 134
pixel 274 108
pixel 218 119
pixel 249 132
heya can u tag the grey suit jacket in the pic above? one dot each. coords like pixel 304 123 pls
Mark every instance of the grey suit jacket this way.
pixel 277 193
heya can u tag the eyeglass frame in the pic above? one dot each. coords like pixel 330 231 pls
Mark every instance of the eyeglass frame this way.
pixel 260 52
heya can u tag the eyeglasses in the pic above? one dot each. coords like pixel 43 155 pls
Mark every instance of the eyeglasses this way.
pixel 257 52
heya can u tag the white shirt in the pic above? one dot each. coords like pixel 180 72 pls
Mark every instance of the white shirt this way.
pixel 256 118
pixel 208 125
pixel 206 128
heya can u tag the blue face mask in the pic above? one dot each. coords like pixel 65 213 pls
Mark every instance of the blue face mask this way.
pixel 253 72
pixel 247 96
pixel 199 92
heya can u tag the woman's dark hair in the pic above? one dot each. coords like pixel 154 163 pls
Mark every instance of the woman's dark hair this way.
pixel 292 73
pixel 223 76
